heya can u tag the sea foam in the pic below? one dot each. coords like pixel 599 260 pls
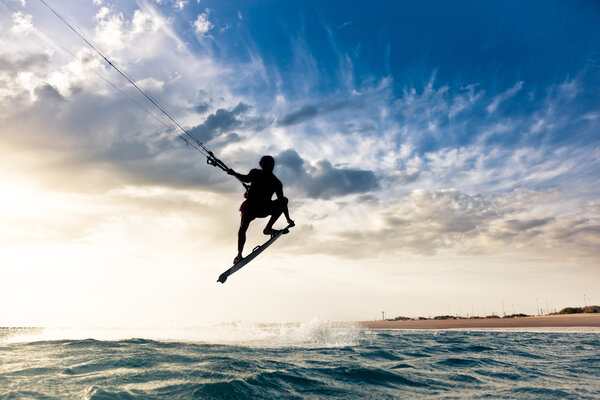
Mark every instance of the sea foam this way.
pixel 314 334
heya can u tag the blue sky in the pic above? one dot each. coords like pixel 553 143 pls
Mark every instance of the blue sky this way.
pixel 436 154
pixel 492 45
pixel 522 61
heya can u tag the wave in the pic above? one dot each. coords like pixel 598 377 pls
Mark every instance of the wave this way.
pixel 316 359
pixel 312 334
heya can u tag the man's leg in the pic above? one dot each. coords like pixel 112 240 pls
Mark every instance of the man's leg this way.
pixel 244 224
pixel 286 213
pixel 279 207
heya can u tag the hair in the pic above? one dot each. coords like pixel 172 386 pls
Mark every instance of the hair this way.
pixel 267 163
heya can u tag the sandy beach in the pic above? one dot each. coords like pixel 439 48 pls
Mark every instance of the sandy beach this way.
pixel 546 321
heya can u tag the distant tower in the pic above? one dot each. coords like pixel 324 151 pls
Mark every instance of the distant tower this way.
pixel 383 315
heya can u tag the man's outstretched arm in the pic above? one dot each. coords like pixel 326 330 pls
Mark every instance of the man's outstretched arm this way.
pixel 243 178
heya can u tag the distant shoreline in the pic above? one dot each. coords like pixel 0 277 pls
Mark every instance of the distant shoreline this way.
pixel 545 321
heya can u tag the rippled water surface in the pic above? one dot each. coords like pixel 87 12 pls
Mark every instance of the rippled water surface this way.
pixel 313 360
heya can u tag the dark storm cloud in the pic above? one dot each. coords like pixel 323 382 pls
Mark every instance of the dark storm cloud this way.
pixel 233 138
pixel 48 93
pixel 219 122
pixel 328 181
pixel 324 180
pixel 202 107
pixel 292 160
pixel 226 139
pixel 303 114
pixel 310 111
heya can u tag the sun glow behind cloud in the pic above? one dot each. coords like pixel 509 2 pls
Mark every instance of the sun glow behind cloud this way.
pixel 408 192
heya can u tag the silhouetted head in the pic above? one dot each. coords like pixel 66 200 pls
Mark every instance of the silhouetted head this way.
pixel 267 163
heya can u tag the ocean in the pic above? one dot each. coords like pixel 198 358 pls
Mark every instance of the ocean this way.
pixel 314 360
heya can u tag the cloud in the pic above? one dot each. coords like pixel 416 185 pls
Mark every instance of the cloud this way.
pixel 466 148
pixel 420 222
pixel 303 114
pixel 218 123
pixel 48 93
pixel 22 23
pixel 291 159
pixel 151 85
pixel 111 31
pixel 202 107
pixel 493 106
pixel 405 177
pixel 527 224
pixel 202 24
pixel 322 180
pixel 450 222
pixel 327 181
pixel 14 63
pixel 310 111
pixel 115 32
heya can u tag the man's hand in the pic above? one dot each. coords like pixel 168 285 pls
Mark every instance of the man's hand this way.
pixel 231 172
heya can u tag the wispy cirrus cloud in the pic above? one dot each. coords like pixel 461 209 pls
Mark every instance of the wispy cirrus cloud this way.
pixel 509 93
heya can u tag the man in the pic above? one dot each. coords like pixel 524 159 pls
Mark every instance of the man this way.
pixel 259 203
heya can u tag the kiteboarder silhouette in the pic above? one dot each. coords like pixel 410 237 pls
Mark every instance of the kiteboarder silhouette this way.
pixel 259 202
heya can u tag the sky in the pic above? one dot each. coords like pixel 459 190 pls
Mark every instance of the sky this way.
pixel 439 158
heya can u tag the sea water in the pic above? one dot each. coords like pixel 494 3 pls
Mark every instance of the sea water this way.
pixel 312 360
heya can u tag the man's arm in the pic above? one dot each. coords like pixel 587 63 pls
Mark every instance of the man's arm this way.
pixel 243 178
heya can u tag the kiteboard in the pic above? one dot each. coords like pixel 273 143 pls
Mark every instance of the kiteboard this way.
pixel 255 252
